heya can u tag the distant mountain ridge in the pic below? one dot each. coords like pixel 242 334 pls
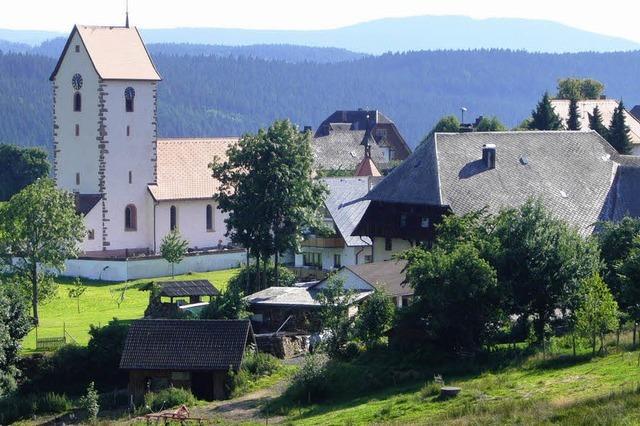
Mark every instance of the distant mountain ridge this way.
pixel 392 35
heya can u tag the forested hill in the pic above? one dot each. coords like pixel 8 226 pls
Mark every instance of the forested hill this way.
pixel 210 95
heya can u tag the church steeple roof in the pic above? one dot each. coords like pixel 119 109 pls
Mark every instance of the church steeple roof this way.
pixel 117 53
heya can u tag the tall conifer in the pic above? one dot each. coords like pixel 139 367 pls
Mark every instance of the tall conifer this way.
pixel 544 116
pixel 596 123
pixel 619 131
pixel 573 122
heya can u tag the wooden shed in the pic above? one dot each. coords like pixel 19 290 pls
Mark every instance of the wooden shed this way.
pixel 190 354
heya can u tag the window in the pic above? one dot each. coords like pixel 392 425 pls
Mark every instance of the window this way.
pixel 77 178
pixel 392 154
pixel 406 301
pixel 336 261
pixel 403 220
pixel 77 130
pixel 130 176
pixel 128 130
pixel 209 217
pixel 388 244
pixel 130 218
pixel 77 48
pixel 77 102
pixel 312 259
pixel 368 258
pixel 129 95
pixel 424 222
pixel 91 234
pixel 173 218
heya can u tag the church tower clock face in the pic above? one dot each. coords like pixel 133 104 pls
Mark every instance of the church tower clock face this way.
pixel 76 81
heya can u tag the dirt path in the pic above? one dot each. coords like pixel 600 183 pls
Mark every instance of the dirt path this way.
pixel 242 409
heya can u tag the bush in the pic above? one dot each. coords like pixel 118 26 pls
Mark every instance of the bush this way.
pixel 429 390
pixel 350 351
pixel 105 350
pixel 310 384
pixel 168 398
pixel 260 364
pixel 285 278
pixel 89 402
pixel 67 370
pixel 16 407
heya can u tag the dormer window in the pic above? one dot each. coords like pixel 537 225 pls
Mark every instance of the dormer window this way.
pixel 129 95
pixel 77 48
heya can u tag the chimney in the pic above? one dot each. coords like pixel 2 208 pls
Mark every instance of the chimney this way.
pixel 489 155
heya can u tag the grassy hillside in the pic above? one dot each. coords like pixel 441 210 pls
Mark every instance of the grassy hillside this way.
pixel 98 306
pixel 564 390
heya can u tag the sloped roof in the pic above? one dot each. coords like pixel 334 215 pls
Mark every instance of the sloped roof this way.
pixel 387 276
pixel 572 172
pixel 606 107
pixel 625 194
pixel 117 53
pixel 187 288
pixel 292 296
pixel 163 344
pixel 183 167
pixel 367 168
pixel 342 150
pixel 346 206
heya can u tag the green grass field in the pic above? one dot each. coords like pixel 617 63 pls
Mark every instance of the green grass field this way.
pixel 98 306
pixel 565 390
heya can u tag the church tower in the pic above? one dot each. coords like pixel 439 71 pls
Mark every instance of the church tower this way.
pixel 105 134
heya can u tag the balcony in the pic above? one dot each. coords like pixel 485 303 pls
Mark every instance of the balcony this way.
pixel 319 242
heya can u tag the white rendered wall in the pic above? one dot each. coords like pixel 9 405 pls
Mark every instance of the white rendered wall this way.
pixel 93 222
pixel 131 269
pixel 191 222
pixel 134 153
pixel 397 246
pixel 347 256
pixel 76 154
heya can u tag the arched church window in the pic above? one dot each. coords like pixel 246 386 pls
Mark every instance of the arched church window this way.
pixel 129 95
pixel 209 213
pixel 130 218
pixel 173 218
pixel 77 102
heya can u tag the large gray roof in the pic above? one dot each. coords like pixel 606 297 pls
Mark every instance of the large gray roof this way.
pixel 346 206
pixel 342 150
pixel 578 175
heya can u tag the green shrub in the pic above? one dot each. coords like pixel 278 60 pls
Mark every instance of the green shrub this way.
pixel 67 370
pixel 168 398
pixel 350 351
pixel 310 384
pixel 89 402
pixel 105 350
pixel 249 285
pixel 429 390
pixel 260 364
pixel 16 407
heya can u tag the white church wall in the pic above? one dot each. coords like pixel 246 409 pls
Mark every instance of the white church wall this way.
pixel 93 223
pixel 191 221
pixel 76 154
pixel 133 154
pixel 151 267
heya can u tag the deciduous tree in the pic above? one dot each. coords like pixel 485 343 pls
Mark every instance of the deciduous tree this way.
pixel 14 326
pixel 447 124
pixel 375 317
pixel 334 301
pixel 597 311
pixel 173 248
pixel 20 167
pixel 39 230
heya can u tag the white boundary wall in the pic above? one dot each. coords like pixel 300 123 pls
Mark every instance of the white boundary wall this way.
pixel 151 267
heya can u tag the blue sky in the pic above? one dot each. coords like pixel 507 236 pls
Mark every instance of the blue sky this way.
pixel 614 17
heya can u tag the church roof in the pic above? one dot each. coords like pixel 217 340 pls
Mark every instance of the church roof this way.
pixel 117 53
pixel 183 168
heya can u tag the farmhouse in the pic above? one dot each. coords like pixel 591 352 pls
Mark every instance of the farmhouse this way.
pixel 195 355
pixel 578 176
pixel 338 141
pixel 131 187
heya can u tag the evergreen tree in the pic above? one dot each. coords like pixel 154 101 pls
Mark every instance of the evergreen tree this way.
pixel 573 122
pixel 618 135
pixel 596 123
pixel 544 116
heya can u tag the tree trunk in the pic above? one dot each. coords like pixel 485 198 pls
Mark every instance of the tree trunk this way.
pixel 593 343
pixel 258 274
pixel 276 271
pixel 34 282
pixel 248 275
pixel 635 329
pixel 601 343
pixel 573 342
pixel 618 335
pixel 265 276
pixel 172 271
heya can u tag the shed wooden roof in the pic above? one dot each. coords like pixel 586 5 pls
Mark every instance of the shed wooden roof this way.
pixel 185 345
pixel 117 53
pixel 187 288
